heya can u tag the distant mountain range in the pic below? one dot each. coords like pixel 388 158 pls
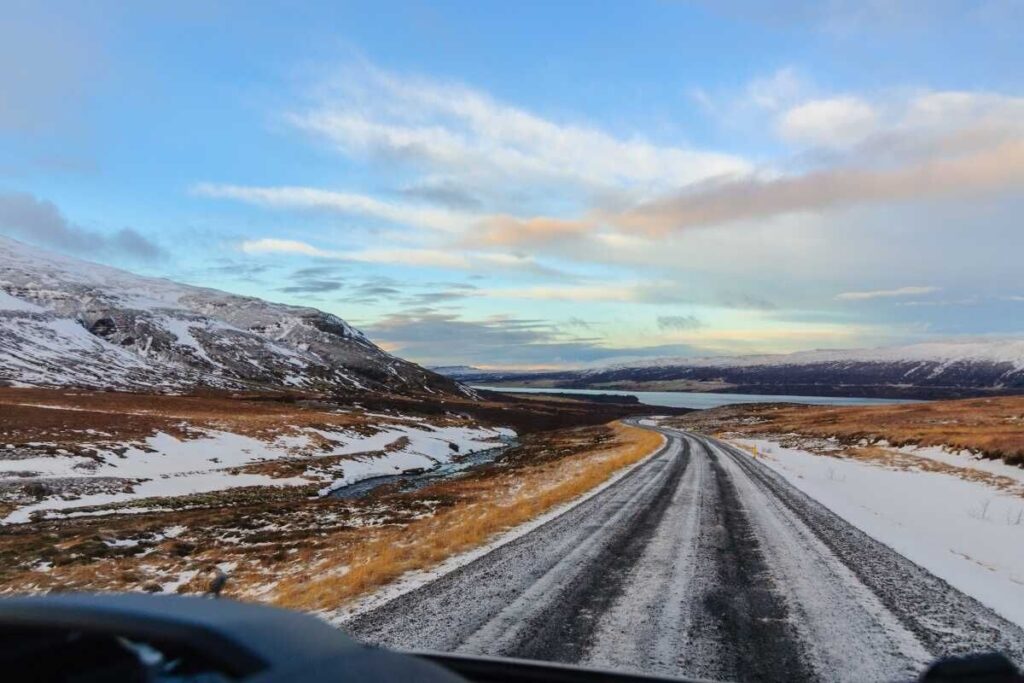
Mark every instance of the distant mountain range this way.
pixel 928 370
pixel 66 322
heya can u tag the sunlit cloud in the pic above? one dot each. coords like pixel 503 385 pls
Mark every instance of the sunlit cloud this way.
pixel 990 170
pixel 507 230
pixel 834 122
pixel 437 258
pixel 885 293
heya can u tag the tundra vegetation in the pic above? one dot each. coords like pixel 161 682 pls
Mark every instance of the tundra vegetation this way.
pixel 284 544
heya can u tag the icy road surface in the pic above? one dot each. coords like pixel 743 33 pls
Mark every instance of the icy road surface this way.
pixel 700 562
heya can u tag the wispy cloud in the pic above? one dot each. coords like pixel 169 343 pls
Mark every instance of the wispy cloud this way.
pixel 342 202
pixel 623 291
pixel 468 134
pixel 885 293
pixel 414 257
pixel 437 258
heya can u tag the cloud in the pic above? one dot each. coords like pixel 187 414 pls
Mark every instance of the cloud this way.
pixel 446 259
pixel 373 291
pixel 477 229
pixel 26 217
pixel 437 297
pixel 989 170
pixel 444 191
pixel 586 292
pixel 886 293
pixel 271 245
pixel 482 186
pixel 679 322
pixel 508 230
pixel 834 122
pixel 410 257
pixel 343 202
pixel 426 337
pixel 474 138
pixel 313 286
pixel 574 321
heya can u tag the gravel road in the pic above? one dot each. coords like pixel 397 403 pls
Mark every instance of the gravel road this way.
pixel 701 562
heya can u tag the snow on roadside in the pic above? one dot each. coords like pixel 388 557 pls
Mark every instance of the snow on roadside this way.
pixel 966 532
pixel 967 460
pixel 164 465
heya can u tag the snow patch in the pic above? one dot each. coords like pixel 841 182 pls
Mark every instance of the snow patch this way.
pixel 965 532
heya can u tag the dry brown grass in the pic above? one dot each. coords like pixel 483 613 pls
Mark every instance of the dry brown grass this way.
pixel 488 506
pixel 65 415
pixel 993 427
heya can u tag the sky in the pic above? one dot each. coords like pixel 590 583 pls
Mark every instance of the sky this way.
pixel 538 184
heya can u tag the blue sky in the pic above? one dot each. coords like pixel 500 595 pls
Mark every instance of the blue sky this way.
pixel 538 184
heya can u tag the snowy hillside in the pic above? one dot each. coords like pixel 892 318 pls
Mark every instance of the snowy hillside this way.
pixel 947 369
pixel 70 322
pixel 928 370
pixel 950 352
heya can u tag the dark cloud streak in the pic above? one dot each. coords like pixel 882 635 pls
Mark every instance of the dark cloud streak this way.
pixel 26 217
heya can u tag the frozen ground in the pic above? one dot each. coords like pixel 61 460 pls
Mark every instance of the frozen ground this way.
pixel 209 460
pixel 964 531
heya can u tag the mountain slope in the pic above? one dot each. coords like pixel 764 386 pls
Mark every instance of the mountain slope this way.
pixel 67 322
pixel 927 370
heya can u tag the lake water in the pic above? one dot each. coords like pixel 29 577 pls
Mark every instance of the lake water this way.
pixel 683 399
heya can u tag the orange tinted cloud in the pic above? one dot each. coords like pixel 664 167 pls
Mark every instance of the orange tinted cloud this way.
pixel 505 230
pixel 993 169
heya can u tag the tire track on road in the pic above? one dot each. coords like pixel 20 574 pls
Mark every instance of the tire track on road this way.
pixel 472 607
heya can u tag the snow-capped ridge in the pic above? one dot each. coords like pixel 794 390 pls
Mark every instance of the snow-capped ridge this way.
pixel 72 322
pixel 1003 350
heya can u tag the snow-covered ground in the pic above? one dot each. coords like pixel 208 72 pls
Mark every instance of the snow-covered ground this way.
pixel 426 450
pixel 164 465
pixel 967 532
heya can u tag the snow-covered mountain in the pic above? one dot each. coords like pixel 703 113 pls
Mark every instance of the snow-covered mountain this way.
pixel 943 353
pixel 456 371
pixel 961 367
pixel 66 322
